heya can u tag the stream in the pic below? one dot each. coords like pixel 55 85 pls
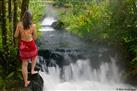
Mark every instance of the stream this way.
pixel 73 64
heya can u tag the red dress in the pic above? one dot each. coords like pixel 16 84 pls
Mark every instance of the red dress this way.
pixel 27 49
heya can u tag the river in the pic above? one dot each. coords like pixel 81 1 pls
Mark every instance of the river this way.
pixel 83 66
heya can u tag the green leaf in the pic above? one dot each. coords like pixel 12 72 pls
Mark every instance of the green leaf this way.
pixel 135 59
pixel 10 75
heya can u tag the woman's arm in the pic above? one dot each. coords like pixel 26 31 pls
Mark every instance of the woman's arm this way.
pixel 34 32
pixel 16 35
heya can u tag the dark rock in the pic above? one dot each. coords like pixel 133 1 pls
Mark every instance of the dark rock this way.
pixel 60 50
pixel 58 25
pixel 60 57
pixel 41 64
pixel 36 83
pixel 45 54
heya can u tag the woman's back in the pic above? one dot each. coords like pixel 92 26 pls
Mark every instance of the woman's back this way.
pixel 26 34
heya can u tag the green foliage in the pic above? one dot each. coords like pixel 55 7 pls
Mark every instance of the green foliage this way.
pixel 10 70
pixel 38 9
pixel 127 23
pixel 90 20
pixel 9 77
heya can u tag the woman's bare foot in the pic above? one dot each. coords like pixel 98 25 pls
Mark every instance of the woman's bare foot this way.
pixel 34 72
pixel 26 83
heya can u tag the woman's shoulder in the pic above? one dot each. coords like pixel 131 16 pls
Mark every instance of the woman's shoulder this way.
pixel 19 24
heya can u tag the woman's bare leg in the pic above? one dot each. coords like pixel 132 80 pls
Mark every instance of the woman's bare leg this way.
pixel 33 65
pixel 25 72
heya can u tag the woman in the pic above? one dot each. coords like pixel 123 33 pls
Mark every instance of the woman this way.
pixel 26 31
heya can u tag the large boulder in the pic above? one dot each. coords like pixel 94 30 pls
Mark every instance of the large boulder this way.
pixel 59 25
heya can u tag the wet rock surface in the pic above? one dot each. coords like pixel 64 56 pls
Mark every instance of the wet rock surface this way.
pixel 36 83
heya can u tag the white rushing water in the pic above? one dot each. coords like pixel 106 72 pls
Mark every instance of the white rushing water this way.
pixel 80 76
pixel 47 29
pixel 49 19
pixel 46 23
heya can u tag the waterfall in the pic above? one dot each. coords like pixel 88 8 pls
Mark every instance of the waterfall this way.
pixel 80 76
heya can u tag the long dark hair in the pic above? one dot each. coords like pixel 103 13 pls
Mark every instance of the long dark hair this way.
pixel 27 20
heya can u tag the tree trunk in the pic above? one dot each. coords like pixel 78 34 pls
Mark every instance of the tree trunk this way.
pixel 4 36
pixel 0 13
pixel 15 15
pixel 24 7
pixel 9 10
pixel 3 27
pixel 10 18
pixel 14 18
